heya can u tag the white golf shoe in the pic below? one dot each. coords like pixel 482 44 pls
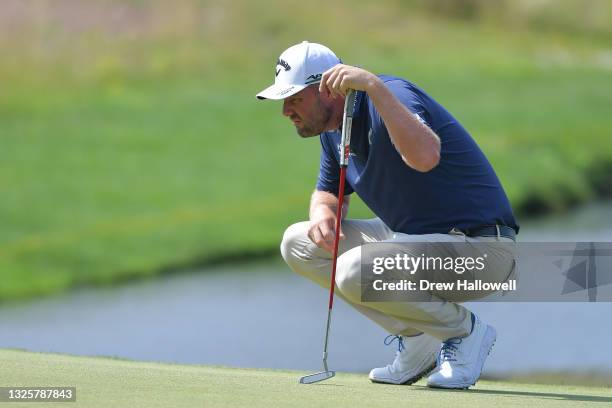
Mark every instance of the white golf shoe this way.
pixel 461 360
pixel 415 358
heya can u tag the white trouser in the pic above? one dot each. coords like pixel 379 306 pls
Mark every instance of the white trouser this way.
pixel 430 312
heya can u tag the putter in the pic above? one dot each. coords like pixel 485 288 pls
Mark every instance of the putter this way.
pixel 345 141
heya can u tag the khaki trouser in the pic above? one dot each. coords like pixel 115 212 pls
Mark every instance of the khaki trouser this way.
pixel 437 314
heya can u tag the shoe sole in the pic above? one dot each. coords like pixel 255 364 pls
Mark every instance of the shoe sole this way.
pixel 410 380
pixel 490 338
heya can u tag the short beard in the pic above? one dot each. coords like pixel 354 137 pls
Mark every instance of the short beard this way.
pixel 320 118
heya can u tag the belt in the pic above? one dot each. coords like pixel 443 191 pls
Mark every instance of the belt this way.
pixel 491 231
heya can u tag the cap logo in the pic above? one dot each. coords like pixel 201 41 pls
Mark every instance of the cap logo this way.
pixel 313 78
pixel 283 64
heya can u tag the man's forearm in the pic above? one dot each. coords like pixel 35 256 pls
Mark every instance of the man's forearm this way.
pixel 418 145
pixel 323 202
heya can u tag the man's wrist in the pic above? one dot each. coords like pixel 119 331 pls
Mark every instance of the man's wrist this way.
pixel 375 85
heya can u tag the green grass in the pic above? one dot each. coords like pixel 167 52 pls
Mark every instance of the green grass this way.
pixel 134 145
pixel 102 382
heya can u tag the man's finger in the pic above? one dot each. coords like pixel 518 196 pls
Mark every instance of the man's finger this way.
pixel 312 232
pixel 321 240
pixel 330 82
pixel 327 232
pixel 322 86
pixel 339 79
pixel 323 244
pixel 317 238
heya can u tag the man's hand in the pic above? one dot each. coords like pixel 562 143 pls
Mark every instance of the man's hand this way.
pixel 323 219
pixel 321 231
pixel 338 79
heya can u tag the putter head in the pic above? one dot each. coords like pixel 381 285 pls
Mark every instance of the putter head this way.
pixel 316 377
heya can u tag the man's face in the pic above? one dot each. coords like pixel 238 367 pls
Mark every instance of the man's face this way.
pixel 309 114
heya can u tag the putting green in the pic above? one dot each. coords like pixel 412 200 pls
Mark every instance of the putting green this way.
pixel 105 382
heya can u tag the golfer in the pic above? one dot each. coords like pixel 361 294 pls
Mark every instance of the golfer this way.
pixel 425 179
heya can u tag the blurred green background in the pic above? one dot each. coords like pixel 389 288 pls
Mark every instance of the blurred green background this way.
pixel 131 143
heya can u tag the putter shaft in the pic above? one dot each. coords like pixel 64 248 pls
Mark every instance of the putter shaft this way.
pixel 344 157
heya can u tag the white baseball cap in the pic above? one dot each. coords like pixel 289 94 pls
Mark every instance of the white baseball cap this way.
pixel 297 67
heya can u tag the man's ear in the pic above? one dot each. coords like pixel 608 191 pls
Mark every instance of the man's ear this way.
pixel 325 96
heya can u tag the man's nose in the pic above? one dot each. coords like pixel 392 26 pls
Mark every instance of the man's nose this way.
pixel 286 110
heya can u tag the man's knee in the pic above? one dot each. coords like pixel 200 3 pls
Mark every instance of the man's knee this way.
pixel 292 245
pixel 348 275
pixel 303 256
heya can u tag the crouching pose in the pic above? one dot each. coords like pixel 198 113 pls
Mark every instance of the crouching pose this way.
pixel 425 179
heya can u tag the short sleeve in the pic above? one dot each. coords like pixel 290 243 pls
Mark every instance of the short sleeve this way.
pixel 329 171
pixel 410 99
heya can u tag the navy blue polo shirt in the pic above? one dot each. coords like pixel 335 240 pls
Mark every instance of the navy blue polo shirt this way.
pixel 462 191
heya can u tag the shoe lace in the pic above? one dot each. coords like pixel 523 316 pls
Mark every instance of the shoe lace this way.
pixel 449 349
pixel 400 342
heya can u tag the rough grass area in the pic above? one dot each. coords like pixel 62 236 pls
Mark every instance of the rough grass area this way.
pixel 102 382
pixel 131 141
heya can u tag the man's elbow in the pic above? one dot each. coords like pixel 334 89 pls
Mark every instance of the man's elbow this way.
pixel 427 162
pixel 430 162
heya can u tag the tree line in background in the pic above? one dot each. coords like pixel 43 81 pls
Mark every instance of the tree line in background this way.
pixel 580 16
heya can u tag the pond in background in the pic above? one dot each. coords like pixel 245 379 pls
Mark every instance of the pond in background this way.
pixel 262 315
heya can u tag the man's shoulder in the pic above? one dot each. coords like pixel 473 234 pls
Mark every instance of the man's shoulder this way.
pixel 395 80
pixel 402 88
pixel 406 91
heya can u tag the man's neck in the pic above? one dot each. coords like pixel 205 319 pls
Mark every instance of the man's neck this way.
pixel 335 122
